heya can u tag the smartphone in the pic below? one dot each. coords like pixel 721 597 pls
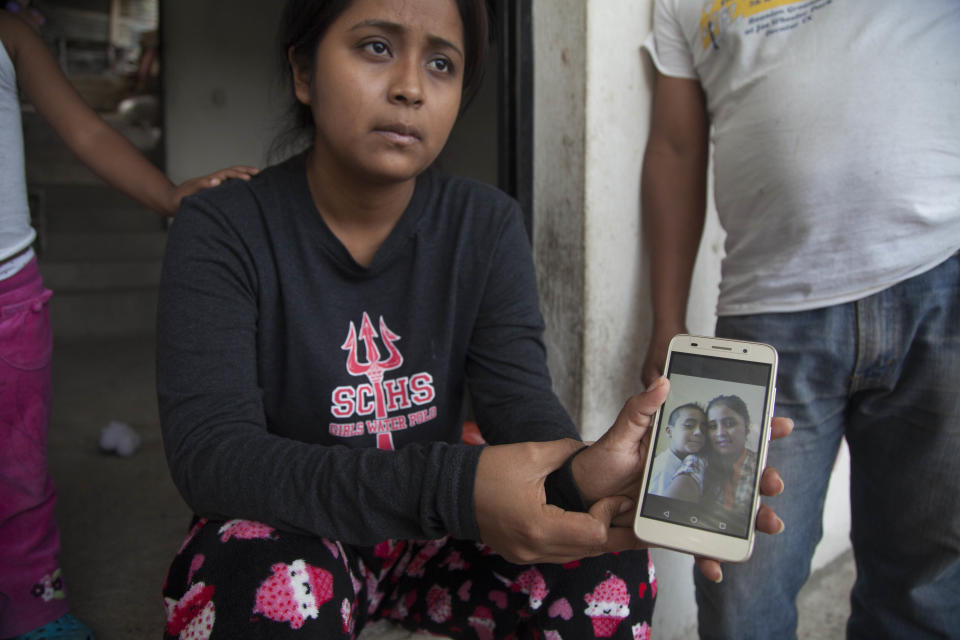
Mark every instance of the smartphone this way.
pixel 701 482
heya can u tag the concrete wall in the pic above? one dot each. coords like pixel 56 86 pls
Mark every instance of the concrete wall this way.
pixel 559 241
pixel 592 110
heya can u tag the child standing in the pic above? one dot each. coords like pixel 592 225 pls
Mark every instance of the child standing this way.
pixel 318 329
pixel 33 603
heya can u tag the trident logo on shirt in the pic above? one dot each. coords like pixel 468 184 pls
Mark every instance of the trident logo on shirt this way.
pixel 374 367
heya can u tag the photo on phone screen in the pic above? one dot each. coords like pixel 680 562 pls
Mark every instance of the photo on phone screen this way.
pixel 707 444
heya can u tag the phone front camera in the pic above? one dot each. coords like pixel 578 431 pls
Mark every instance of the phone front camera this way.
pixel 744 350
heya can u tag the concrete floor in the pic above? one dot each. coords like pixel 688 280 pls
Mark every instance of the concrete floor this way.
pixel 122 520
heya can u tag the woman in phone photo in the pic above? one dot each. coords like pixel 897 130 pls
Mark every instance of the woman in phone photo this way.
pixel 732 465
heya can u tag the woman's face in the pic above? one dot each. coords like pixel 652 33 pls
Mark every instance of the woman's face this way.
pixel 727 430
pixel 385 88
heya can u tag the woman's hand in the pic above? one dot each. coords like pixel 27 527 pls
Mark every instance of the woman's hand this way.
pixel 516 521
pixel 613 465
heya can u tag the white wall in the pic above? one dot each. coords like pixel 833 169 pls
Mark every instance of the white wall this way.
pixel 592 97
pixel 220 83
pixel 617 116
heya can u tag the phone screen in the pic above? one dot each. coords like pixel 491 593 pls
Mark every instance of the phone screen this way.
pixel 707 442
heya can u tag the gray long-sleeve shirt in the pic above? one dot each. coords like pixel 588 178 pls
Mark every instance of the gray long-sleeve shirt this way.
pixel 303 390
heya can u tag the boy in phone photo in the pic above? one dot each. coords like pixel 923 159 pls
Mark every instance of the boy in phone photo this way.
pixel 686 431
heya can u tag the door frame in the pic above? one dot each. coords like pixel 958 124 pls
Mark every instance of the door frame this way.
pixel 514 26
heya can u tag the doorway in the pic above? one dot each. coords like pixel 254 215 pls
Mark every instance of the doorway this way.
pixel 493 140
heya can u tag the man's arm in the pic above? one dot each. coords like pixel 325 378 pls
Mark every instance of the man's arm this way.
pixel 98 146
pixel 674 183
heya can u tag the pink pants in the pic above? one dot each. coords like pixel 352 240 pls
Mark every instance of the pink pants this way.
pixel 31 589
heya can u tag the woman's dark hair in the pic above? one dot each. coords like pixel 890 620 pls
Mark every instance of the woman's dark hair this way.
pixel 304 23
pixel 735 404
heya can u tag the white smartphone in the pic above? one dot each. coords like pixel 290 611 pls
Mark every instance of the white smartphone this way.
pixel 700 489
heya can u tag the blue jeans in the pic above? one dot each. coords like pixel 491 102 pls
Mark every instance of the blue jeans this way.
pixel 884 372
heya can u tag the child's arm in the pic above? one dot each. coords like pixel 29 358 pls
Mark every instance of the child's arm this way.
pixel 106 152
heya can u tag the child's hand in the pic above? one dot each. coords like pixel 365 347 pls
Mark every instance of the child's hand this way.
pixel 516 521
pixel 193 185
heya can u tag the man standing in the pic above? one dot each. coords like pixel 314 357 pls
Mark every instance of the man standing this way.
pixel 836 138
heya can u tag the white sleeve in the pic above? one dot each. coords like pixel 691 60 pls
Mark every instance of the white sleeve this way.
pixel 666 44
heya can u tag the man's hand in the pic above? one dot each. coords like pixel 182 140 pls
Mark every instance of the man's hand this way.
pixel 516 521
pixel 656 357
